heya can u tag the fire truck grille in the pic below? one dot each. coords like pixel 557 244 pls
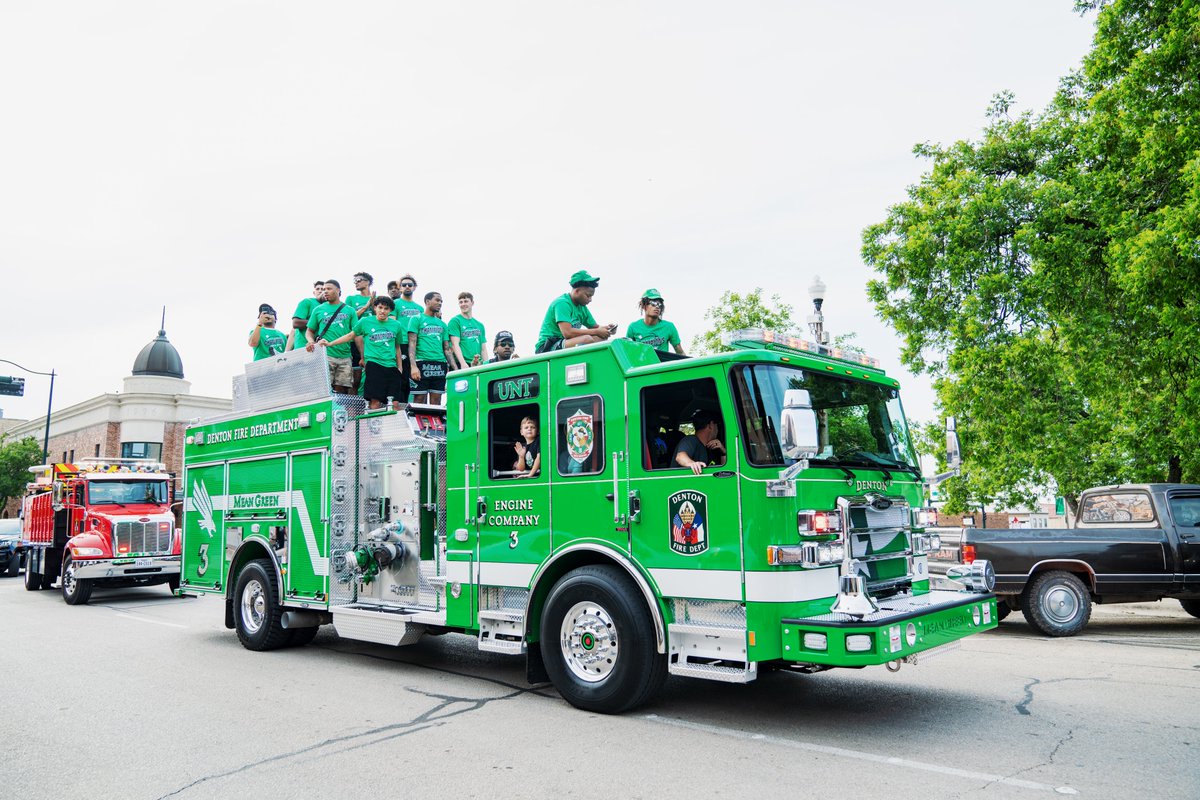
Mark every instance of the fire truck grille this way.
pixel 143 537
pixel 879 541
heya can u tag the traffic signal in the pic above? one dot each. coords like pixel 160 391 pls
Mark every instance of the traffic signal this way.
pixel 12 386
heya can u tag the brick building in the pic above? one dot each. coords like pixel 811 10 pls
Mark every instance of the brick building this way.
pixel 144 420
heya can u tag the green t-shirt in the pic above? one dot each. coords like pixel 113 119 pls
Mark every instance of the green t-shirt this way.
pixel 357 301
pixel 660 336
pixel 431 337
pixel 564 309
pixel 407 309
pixel 270 343
pixel 303 311
pixel 471 336
pixel 340 326
pixel 381 338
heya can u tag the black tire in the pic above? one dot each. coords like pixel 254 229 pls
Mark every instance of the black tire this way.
pixel 33 581
pixel 298 637
pixel 173 583
pixel 75 591
pixel 597 640
pixel 1057 604
pixel 1003 609
pixel 257 615
pixel 1191 606
pixel 14 565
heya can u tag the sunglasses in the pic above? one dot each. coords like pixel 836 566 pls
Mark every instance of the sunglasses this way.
pixel 656 303
pixel 407 285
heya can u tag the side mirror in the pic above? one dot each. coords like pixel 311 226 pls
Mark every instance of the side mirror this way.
pixel 953 449
pixel 798 425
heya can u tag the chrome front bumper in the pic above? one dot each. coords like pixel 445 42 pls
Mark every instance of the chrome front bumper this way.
pixel 146 567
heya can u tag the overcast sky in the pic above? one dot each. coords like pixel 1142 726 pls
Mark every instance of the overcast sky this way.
pixel 211 156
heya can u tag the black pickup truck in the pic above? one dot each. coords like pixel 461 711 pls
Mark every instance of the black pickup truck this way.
pixel 1132 543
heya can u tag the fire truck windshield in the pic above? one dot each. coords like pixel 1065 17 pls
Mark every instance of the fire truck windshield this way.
pixel 859 424
pixel 126 492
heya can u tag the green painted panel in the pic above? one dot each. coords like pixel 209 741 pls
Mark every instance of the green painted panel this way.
pixel 307 570
pixel 203 564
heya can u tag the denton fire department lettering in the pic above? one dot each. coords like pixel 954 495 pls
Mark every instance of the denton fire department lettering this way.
pixel 689 522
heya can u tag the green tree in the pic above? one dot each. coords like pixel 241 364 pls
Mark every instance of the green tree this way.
pixel 737 311
pixel 16 457
pixel 1043 275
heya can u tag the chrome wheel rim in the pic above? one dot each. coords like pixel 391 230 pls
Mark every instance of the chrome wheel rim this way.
pixel 254 606
pixel 68 578
pixel 1062 604
pixel 589 642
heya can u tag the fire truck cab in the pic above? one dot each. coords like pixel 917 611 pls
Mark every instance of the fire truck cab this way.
pixel 99 522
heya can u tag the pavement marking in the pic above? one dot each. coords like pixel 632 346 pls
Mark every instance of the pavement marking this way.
pixel 860 755
pixel 140 618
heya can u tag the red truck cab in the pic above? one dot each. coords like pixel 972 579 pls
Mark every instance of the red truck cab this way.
pixel 100 522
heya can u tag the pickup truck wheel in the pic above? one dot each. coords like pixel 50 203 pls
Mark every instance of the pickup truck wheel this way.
pixel 598 641
pixel 1191 606
pixel 1057 604
pixel 257 614
pixel 1003 609
pixel 75 591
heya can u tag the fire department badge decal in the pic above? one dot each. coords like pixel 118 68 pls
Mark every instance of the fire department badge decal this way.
pixel 688 511
pixel 581 436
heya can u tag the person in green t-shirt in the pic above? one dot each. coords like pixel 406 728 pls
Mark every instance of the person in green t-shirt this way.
pixel 361 303
pixel 568 323
pixel 303 312
pixel 428 348
pixel 468 340
pixel 328 321
pixel 406 309
pixel 381 338
pixel 265 340
pixel 652 329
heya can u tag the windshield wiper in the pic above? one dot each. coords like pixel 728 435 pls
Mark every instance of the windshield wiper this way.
pixel 874 459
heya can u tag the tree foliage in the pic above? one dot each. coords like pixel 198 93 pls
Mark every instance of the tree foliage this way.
pixel 1044 274
pixel 737 311
pixel 16 457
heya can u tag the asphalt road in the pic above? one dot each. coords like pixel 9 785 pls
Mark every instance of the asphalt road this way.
pixel 142 695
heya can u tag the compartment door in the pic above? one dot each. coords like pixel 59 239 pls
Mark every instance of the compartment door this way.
pixel 204 527
pixel 307 573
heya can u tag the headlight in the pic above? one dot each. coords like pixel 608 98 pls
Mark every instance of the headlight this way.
pixel 86 551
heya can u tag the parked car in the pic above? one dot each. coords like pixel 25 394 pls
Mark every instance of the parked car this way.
pixel 1131 544
pixel 10 546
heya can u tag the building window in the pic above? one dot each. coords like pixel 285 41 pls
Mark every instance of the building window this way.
pixel 150 450
pixel 71 460
pixel 97 452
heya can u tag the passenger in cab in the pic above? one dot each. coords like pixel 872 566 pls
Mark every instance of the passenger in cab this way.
pixel 529 452
pixel 702 448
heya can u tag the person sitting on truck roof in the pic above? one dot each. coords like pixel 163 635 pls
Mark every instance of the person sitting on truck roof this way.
pixel 303 311
pixel 529 452
pixel 568 323
pixel 265 340
pixel 429 347
pixel 652 329
pixel 332 320
pixel 702 448
pixel 380 338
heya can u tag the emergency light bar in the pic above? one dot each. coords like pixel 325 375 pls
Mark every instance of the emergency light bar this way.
pixel 760 339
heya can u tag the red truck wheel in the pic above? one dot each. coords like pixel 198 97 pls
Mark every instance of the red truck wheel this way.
pixel 75 591
pixel 33 581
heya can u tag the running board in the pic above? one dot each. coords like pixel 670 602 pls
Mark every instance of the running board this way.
pixel 377 624
pixel 714 654
pixel 502 631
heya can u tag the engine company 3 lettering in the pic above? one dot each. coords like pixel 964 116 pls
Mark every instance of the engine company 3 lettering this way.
pixel 518 520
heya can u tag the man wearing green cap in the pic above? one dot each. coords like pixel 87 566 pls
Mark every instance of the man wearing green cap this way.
pixel 652 329
pixel 568 322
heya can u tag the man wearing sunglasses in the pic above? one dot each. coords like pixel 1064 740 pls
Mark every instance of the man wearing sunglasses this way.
pixel 406 309
pixel 652 329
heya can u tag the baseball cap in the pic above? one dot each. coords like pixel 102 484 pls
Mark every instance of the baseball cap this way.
pixel 651 294
pixel 583 278
pixel 267 308
pixel 502 336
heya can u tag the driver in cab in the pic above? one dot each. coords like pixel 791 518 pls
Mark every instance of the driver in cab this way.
pixel 702 448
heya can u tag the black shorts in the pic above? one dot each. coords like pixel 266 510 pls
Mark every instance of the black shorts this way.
pixel 383 382
pixel 355 356
pixel 550 345
pixel 433 376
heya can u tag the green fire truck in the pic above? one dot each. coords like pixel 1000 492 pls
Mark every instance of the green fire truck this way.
pixel 610 565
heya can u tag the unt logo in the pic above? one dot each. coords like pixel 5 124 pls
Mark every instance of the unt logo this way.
pixel 523 387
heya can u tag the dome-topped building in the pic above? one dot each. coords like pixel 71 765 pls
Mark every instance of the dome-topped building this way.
pixel 159 358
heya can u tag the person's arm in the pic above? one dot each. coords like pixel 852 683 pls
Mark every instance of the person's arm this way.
pixel 537 466
pixel 449 352
pixel 343 338
pixel 684 459
pixel 570 333
pixel 456 352
pixel 679 349
pixel 483 354
pixel 255 336
pixel 290 338
pixel 519 464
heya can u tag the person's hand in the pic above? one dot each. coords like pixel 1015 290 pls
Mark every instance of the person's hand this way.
pixel 476 360
pixel 310 347
pixel 715 444
pixel 603 333
pixel 416 374
pixel 612 328
pixel 264 319
pixel 520 448
pixel 698 467
pixel 323 343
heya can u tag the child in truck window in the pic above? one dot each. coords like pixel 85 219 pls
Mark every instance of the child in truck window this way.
pixel 529 452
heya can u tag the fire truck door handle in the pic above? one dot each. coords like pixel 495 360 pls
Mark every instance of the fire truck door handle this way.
pixel 480 508
pixel 616 489
pixel 635 505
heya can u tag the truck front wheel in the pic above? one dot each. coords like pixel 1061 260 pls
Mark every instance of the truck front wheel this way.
pixel 1057 604
pixel 257 614
pixel 1191 606
pixel 598 641
pixel 75 591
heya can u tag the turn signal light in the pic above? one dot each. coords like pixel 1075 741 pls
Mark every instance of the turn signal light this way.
pixel 968 554
pixel 818 523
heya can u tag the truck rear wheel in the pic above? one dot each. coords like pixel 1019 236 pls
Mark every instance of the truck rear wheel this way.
pixel 1057 604
pixel 75 591
pixel 1191 606
pixel 14 565
pixel 598 641
pixel 257 614
pixel 33 581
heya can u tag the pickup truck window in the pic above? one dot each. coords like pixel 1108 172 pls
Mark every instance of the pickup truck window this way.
pixel 1185 511
pixel 1116 507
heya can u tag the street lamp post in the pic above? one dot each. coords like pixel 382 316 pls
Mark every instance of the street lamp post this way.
pixel 816 320
pixel 49 405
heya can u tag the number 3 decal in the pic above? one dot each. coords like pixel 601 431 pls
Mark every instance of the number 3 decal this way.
pixel 203 568
pixel 513 541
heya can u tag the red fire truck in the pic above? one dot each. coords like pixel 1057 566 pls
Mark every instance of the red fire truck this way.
pixel 99 523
